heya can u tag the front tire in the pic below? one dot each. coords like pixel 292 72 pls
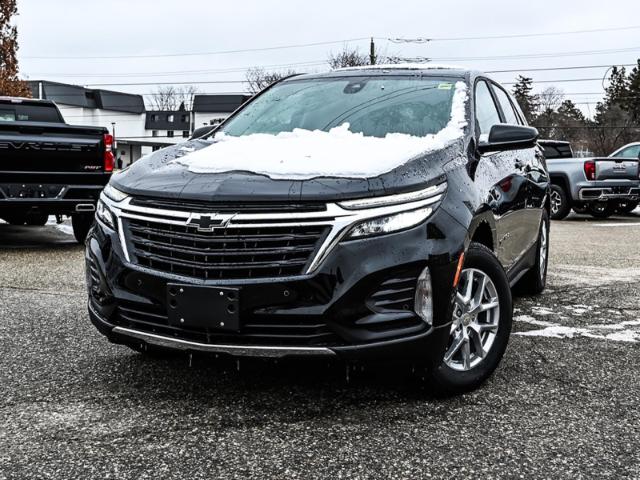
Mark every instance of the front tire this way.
pixel 81 223
pixel 480 328
pixel 560 206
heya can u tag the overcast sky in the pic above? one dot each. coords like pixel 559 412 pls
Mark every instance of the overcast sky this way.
pixel 116 28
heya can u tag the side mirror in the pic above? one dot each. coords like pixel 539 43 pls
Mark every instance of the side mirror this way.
pixel 508 137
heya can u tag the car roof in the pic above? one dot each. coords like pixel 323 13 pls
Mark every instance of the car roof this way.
pixel 409 69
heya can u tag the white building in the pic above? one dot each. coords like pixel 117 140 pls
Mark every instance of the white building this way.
pixel 137 131
pixel 213 109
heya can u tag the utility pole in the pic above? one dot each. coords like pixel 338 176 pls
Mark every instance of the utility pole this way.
pixel 372 52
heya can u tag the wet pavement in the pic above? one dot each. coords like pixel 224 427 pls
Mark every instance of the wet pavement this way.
pixel 565 402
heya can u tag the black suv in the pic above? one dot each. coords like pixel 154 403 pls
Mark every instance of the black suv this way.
pixel 366 214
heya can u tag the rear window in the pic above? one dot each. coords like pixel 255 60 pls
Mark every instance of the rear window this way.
pixel 17 112
pixel 552 152
pixel 629 152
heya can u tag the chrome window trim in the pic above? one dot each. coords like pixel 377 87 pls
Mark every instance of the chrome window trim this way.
pixel 340 219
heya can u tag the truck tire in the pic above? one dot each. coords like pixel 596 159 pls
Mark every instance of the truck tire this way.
pixel 626 208
pixel 37 219
pixel 602 209
pixel 580 208
pixel 81 223
pixel 560 206
pixel 15 218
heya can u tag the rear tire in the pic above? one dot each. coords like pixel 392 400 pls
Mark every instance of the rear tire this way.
pixel 37 219
pixel 453 376
pixel 18 218
pixel 535 280
pixel 560 206
pixel 82 223
pixel 601 209
pixel 580 208
pixel 626 208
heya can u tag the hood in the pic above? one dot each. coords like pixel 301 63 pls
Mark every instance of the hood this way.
pixel 158 175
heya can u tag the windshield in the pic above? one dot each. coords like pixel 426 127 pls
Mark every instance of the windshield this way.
pixel 373 106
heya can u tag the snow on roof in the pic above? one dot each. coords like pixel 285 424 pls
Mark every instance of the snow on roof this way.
pixel 305 154
pixel 403 66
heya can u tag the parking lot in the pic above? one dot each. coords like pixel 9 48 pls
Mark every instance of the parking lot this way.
pixel 563 404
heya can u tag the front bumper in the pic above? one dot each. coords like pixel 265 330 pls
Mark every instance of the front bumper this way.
pixel 358 304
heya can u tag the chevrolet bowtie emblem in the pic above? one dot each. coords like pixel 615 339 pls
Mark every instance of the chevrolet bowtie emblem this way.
pixel 209 223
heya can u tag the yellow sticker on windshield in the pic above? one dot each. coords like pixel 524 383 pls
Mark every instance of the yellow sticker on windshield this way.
pixel 445 86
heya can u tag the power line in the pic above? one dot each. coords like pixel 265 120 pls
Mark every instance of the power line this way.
pixel 541 55
pixel 515 35
pixel 183 72
pixel 549 69
pixel 198 54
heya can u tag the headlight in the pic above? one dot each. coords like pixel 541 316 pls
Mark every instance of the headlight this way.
pixel 114 194
pixel 397 199
pixel 390 223
pixel 104 215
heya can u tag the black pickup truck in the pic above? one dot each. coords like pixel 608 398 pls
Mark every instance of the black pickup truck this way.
pixel 48 167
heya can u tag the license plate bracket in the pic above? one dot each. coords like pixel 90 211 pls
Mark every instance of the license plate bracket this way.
pixel 203 307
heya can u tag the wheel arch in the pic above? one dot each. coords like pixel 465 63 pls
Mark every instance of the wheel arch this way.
pixel 482 230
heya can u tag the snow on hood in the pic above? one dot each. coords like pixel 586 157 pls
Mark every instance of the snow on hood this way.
pixel 305 154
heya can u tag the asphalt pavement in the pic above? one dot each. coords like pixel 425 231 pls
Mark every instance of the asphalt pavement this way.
pixel 565 402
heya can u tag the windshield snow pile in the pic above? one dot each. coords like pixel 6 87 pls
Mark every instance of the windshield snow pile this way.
pixel 305 154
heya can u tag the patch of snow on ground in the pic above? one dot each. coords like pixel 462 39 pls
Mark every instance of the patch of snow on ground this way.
pixel 305 154
pixel 62 227
pixel 620 331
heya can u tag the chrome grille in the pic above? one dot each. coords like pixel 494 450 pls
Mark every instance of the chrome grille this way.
pixel 232 253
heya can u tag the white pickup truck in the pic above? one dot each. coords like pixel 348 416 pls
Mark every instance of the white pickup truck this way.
pixel 599 186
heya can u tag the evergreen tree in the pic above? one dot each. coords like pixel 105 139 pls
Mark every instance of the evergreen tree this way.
pixel 528 101
pixel 632 101
pixel 613 121
pixel 9 83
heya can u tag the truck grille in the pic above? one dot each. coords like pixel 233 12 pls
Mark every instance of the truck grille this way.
pixel 233 253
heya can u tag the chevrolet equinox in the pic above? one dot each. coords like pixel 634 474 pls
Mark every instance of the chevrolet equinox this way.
pixel 372 213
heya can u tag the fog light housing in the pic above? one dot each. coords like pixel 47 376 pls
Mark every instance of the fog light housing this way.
pixel 424 297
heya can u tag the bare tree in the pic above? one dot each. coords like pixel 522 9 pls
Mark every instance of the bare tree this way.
pixel 348 58
pixel 550 99
pixel 258 78
pixel 172 98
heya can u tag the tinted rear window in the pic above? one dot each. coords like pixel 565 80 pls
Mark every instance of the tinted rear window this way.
pixel 17 112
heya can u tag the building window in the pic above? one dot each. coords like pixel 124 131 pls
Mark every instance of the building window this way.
pixel 185 134
pixel 185 118
pixel 170 133
pixel 170 118
pixel 155 117
pixel 154 133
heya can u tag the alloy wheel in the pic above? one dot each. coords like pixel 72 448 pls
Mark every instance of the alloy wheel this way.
pixel 556 202
pixel 544 249
pixel 476 318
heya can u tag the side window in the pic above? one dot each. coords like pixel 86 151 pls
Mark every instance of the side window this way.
pixel 507 108
pixel 486 112
pixel 629 152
